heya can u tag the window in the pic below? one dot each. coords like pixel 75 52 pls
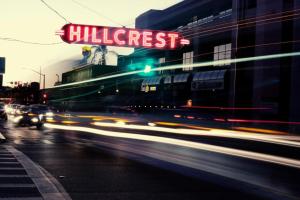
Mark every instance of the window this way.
pixel 222 52
pixel 188 58
pixel 161 60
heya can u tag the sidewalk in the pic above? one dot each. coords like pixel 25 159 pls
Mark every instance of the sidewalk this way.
pixel 20 178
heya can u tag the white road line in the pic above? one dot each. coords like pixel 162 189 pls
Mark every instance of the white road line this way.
pixel 6 159
pixel 13 176
pixel 8 162
pixel 11 168
pixel 17 185
pixel 22 198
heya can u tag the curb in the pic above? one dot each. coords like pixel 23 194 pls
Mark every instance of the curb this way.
pixel 47 185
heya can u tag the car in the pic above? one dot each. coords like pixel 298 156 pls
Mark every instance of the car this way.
pixel 33 115
pixel 12 108
pixel 3 114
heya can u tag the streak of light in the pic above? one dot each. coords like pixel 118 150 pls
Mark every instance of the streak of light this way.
pixel 69 122
pixel 208 132
pixel 194 65
pixel 190 117
pixel 50 120
pixel 182 125
pixel 195 145
pixel 219 120
pixel 260 130
pixel 148 128
pixel 227 108
pixel 47 142
pixel 101 118
pixel 64 115
pixel 262 121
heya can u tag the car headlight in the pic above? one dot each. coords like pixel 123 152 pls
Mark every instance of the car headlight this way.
pixel 17 119
pixel 35 120
pixel 49 114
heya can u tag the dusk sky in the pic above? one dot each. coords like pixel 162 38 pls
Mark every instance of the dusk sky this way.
pixel 31 20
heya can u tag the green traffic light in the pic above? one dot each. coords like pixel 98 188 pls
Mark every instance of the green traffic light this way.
pixel 147 69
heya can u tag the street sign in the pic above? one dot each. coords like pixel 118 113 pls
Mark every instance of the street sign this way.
pixel 121 37
pixel 2 65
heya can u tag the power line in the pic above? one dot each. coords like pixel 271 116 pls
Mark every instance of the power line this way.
pixel 220 28
pixel 55 11
pixel 97 13
pixel 28 42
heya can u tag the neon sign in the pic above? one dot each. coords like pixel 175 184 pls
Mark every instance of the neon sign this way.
pixel 122 37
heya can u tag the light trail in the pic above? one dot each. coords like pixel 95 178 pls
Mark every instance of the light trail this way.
pixel 194 65
pixel 195 145
pixel 212 132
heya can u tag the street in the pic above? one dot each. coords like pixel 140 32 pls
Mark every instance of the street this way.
pixel 108 168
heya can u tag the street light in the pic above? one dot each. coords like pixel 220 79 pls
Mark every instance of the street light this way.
pixel 57 77
pixel 39 73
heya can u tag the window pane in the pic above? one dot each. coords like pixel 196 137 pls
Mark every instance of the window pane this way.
pixel 216 56
pixel 228 47
pixel 188 55
pixel 221 55
pixel 216 49
pixel 228 55
pixel 222 48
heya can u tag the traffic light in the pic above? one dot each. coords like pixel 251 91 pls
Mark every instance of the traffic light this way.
pixel 145 66
pixel 147 69
pixel 44 98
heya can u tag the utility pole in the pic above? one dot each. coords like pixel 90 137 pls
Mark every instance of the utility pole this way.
pixel 39 73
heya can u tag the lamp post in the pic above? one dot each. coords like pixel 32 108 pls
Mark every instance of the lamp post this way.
pixel 39 73
pixel 57 77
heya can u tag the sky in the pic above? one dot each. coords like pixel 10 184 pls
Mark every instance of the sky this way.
pixel 31 20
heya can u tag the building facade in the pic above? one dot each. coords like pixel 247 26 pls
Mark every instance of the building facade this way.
pixel 219 31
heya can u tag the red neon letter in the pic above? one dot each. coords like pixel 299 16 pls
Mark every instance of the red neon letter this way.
pixel 147 39
pixel 173 37
pixel 116 37
pixel 94 36
pixel 105 36
pixel 86 34
pixel 74 33
pixel 133 38
pixel 161 42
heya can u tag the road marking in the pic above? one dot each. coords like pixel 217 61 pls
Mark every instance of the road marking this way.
pixel 8 162
pixel 45 184
pixel 13 176
pixel 22 198
pixel 11 168
pixel 6 159
pixel 17 185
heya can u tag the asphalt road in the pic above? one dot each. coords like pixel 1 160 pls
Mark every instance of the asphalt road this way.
pixel 92 173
